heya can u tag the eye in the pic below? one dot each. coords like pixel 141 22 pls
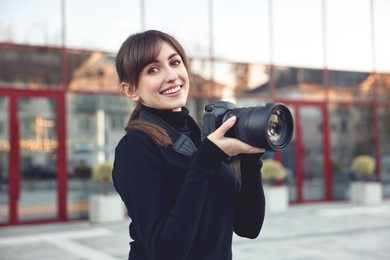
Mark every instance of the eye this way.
pixel 175 62
pixel 152 70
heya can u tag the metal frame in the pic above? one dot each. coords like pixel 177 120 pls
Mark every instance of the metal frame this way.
pixel 14 156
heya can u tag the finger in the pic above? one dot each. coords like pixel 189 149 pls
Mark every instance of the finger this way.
pixel 246 148
pixel 221 131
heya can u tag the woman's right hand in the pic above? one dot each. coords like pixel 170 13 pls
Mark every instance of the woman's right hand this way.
pixel 231 146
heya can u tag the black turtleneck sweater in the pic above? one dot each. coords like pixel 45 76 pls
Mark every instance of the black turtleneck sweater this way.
pixel 185 206
pixel 178 120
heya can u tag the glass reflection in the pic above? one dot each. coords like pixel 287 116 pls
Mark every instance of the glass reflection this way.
pixel 298 33
pixel 381 82
pixel 95 125
pixel 189 22
pixel 384 125
pixel 299 83
pixel 352 133
pixel 348 85
pixel 38 145
pixel 31 22
pixel 92 71
pixel 30 67
pixel 241 31
pixel 349 35
pixel 313 157
pixel 108 24
pixel 4 160
pixel 381 37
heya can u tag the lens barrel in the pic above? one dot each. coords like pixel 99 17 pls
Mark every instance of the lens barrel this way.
pixel 270 127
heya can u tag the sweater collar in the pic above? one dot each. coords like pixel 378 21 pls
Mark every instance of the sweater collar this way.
pixel 181 143
pixel 176 119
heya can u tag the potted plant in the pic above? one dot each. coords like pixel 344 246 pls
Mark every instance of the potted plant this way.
pixel 105 207
pixel 365 189
pixel 276 192
pixel 102 172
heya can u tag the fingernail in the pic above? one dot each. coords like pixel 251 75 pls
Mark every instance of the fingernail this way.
pixel 232 118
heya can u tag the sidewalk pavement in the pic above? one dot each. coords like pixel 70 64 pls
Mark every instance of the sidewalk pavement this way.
pixel 338 230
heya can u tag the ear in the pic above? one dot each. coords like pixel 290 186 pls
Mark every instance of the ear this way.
pixel 129 91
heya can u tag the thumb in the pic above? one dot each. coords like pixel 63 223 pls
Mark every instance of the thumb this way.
pixel 221 131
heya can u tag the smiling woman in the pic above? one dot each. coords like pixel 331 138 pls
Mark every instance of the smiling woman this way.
pixel 163 84
pixel 161 79
pixel 180 192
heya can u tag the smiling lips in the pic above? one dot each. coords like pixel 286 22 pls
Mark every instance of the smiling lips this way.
pixel 171 91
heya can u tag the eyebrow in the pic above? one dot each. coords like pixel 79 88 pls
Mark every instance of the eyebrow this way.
pixel 169 57
pixel 173 55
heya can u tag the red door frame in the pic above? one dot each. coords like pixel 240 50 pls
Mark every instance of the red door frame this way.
pixel 299 148
pixel 14 158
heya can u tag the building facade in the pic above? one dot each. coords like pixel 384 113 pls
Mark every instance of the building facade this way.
pixel 61 110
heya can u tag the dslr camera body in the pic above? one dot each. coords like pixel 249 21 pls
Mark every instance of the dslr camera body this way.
pixel 269 127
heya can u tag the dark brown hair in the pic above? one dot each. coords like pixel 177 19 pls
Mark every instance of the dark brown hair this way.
pixel 136 52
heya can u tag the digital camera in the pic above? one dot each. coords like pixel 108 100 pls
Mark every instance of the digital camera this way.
pixel 269 127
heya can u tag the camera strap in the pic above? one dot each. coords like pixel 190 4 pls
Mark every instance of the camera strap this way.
pixel 181 143
pixel 184 145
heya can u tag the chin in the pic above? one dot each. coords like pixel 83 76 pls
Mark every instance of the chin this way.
pixel 178 108
pixel 180 104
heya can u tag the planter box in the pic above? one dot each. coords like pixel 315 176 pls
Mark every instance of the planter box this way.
pixel 106 208
pixel 365 192
pixel 276 198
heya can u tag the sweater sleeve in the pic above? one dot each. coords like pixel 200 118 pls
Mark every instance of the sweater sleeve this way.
pixel 250 207
pixel 166 231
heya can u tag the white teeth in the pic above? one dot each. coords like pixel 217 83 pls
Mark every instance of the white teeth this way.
pixel 171 91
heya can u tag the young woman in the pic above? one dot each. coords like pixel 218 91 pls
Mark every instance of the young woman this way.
pixel 182 196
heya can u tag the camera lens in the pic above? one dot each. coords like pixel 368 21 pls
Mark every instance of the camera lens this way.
pixel 277 131
pixel 270 127
pixel 274 127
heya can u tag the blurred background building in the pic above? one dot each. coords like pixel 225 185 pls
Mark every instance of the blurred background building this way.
pixel 61 110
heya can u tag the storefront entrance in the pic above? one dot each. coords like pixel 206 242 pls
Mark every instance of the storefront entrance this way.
pixel 307 156
pixel 32 156
pixel 33 164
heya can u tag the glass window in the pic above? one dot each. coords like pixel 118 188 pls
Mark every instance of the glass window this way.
pixel 299 83
pixel 92 71
pixel 196 107
pixel 348 35
pixel 200 77
pixel 384 125
pixel 92 138
pixel 30 67
pixel 348 86
pixel 381 34
pixel 230 79
pixel 258 88
pixel 101 25
pixel 345 146
pixel 4 160
pixel 200 68
pixel 313 157
pixel 297 33
pixel 289 161
pixel 36 22
pixel 187 21
pixel 242 80
pixel 381 81
pixel 241 30
pixel 38 157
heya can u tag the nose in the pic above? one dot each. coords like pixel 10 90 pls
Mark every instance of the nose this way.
pixel 171 75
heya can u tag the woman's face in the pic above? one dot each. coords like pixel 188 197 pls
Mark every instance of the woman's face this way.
pixel 164 83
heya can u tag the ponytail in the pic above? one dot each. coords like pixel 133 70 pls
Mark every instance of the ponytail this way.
pixel 158 134
pixel 136 112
